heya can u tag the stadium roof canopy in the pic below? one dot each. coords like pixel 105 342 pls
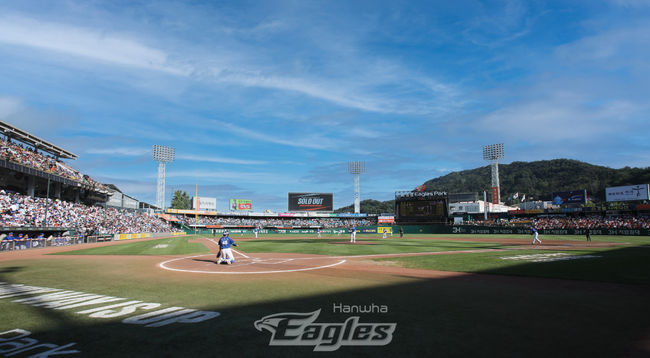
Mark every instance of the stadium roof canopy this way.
pixel 38 143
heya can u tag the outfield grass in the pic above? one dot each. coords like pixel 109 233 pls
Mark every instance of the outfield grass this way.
pixel 635 240
pixel 343 248
pixel 622 265
pixel 168 246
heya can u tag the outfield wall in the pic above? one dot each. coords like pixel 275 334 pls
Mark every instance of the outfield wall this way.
pixel 430 229
pixel 466 229
pixel 118 237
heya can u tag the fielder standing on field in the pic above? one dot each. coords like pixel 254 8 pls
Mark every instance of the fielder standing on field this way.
pixel 353 234
pixel 535 234
pixel 226 253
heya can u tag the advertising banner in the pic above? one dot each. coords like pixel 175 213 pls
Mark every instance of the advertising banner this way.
pixel 241 204
pixel 193 212
pixel 351 215
pixel 627 193
pixel 469 208
pixel 203 203
pixel 495 195
pixel 385 219
pixel 387 230
pixel 570 197
pixel 311 201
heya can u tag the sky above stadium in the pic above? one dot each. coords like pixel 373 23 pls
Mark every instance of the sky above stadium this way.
pixel 269 97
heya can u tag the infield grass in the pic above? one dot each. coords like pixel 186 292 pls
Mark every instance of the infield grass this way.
pixel 368 247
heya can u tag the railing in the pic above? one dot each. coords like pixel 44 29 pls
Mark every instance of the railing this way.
pixel 56 241
pixel 24 244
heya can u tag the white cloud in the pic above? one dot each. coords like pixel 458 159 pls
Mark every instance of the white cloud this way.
pixel 84 42
pixel 217 159
pixel 136 152
pixel 239 66
pixel 233 176
pixel 621 47
pixel 313 141
pixel 124 151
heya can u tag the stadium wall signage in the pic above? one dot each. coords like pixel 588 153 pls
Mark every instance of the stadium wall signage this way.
pixel 570 197
pixel 203 203
pixel 311 202
pixel 241 204
pixel 628 193
pixel 441 229
pixel 462 229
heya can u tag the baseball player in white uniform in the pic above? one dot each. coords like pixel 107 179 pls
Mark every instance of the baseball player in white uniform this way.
pixel 535 236
pixel 353 234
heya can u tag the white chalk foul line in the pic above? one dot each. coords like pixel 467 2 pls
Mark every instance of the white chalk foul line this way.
pixel 407 254
pixel 163 265
pixel 240 253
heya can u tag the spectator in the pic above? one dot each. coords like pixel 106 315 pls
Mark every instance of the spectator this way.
pixel 563 222
pixel 18 210
pixel 294 222
pixel 32 158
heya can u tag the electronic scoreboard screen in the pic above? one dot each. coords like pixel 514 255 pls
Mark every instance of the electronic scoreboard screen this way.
pixel 422 211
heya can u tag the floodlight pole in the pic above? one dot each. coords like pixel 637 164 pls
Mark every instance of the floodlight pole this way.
pixel 162 155
pixel 160 191
pixel 357 168
pixel 493 153
pixel 496 188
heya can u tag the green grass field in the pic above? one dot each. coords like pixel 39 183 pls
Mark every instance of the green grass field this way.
pixel 168 246
pixel 623 265
pixel 180 246
pixel 499 308
pixel 376 246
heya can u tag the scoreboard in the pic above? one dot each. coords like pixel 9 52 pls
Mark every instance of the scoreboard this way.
pixel 311 202
pixel 421 207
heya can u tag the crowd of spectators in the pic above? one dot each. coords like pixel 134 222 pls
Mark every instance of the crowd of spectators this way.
pixel 270 222
pixel 30 157
pixel 18 210
pixel 565 222
pixel 11 241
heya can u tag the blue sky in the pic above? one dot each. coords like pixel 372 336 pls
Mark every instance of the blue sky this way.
pixel 269 97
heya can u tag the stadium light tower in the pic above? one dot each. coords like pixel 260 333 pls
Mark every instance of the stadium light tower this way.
pixel 493 153
pixel 357 168
pixel 162 155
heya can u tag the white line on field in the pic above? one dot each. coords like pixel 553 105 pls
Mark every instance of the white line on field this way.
pixel 407 254
pixel 163 266
pixel 241 253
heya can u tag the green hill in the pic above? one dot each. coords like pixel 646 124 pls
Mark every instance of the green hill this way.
pixel 370 206
pixel 538 180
